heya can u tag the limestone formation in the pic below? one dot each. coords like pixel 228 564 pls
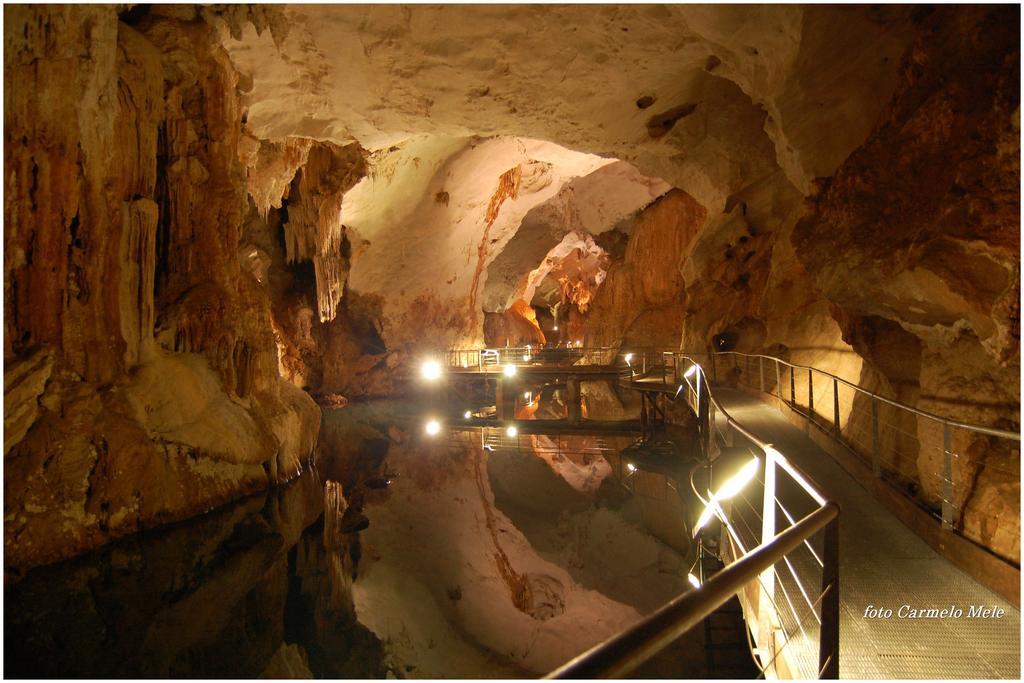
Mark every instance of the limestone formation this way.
pixel 213 214
pixel 140 376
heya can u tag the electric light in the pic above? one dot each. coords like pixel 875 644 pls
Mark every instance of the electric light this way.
pixel 467 415
pixel 512 431
pixel 509 371
pixel 694 581
pixel 433 427
pixel 629 357
pixel 555 328
pixel 430 370
pixel 526 395
pixel 631 467
pixel 730 488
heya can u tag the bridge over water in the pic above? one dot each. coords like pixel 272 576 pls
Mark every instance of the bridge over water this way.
pixel 822 537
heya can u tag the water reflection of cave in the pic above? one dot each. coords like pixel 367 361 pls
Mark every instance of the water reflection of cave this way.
pixel 551 302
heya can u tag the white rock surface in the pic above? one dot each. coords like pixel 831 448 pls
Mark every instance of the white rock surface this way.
pixel 432 589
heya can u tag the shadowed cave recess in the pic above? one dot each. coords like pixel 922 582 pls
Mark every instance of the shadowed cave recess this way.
pixel 232 234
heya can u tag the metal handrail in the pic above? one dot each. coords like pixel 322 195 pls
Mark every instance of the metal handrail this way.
pixel 939 500
pixel 896 404
pixel 623 653
pixel 519 355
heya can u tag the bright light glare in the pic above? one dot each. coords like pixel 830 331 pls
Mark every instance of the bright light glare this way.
pixel 509 371
pixel 555 328
pixel 631 467
pixel 736 483
pixel 526 395
pixel 694 581
pixel 629 357
pixel 433 427
pixel 431 370
pixel 804 484
pixel 729 489
pixel 526 356
pixel 512 431
pixel 690 372
pixel 467 415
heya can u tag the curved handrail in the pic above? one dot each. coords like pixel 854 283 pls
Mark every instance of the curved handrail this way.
pixel 801 477
pixel 923 413
pixel 992 431
pixel 625 651
pixel 622 653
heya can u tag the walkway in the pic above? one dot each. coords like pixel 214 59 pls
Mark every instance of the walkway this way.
pixel 884 564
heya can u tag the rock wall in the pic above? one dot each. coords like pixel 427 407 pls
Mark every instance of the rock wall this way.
pixel 899 273
pixel 927 216
pixel 641 300
pixel 141 381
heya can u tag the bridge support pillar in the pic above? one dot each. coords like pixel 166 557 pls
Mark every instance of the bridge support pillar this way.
pixel 505 399
pixel 574 399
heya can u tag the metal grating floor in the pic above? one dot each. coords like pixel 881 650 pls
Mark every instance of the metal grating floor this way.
pixel 882 563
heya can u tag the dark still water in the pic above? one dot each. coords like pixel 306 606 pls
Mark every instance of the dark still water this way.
pixel 252 588
pixel 404 552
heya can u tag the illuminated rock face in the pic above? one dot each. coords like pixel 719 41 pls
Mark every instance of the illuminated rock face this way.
pixel 150 389
pixel 310 198
pixel 926 215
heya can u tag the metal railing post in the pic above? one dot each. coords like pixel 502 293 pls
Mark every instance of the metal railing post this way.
pixel 810 393
pixel 792 387
pixel 623 653
pixel 768 527
pixel 778 380
pixel 760 371
pixel 828 642
pixel 947 483
pixel 876 446
pixel 835 403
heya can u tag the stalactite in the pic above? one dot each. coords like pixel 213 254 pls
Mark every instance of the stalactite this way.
pixel 314 230
pixel 271 167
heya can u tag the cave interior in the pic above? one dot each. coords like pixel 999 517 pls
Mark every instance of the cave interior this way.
pixel 234 233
